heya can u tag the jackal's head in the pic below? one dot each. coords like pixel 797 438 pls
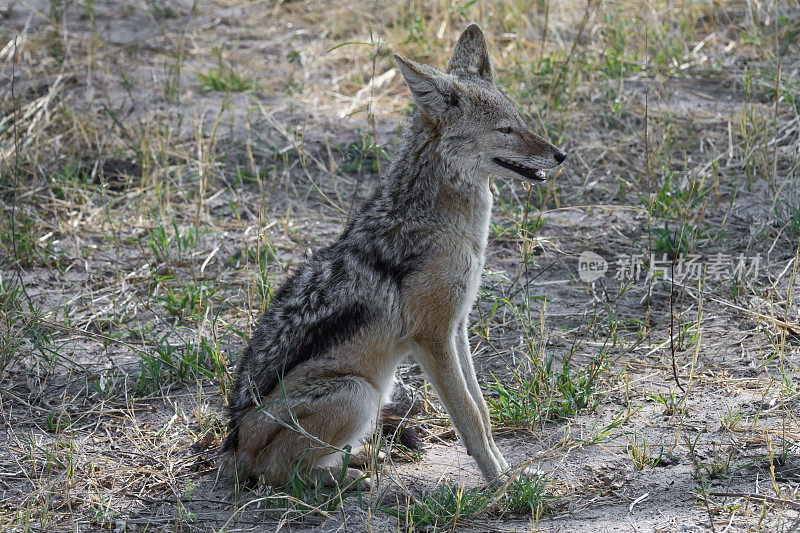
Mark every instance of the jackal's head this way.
pixel 478 126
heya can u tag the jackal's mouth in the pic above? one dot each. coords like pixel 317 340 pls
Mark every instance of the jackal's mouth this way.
pixel 523 170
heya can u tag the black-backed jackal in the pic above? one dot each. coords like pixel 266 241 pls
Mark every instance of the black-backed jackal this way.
pixel 400 281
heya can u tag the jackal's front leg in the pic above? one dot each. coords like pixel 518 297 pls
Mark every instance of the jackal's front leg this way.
pixel 440 360
pixel 468 371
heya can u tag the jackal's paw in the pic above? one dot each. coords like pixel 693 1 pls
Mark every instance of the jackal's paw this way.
pixel 353 479
pixel 499 483
pixel 501 461
pixel 362 459
pixel 528 473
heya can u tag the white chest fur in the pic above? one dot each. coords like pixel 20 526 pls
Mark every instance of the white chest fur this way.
pixel 469 235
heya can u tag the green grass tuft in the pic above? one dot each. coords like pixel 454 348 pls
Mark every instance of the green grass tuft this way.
pixel 540 394
pixel 526 494
pixel 224 79
pixel 441 509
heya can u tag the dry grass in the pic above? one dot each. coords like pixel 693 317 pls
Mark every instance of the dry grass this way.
pixel 163 165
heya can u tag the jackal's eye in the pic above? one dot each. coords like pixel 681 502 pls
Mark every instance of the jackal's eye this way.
pixel 505 129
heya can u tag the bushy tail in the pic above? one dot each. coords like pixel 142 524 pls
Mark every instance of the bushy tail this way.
pixel 396 427
pixel 231 442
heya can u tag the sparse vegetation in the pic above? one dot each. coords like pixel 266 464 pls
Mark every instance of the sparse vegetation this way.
pixel 538 394
pixel 165 166
pixel 441 509
pixel 165 362
pixel 223 78
pixel 527 494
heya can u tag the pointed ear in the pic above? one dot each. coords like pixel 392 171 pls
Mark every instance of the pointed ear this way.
pixel 433 92
pixel 471 56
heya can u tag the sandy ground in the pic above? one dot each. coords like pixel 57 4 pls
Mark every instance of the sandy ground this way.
pixel 84 447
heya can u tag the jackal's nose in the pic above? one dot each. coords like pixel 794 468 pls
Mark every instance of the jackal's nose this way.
pixel 560 156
